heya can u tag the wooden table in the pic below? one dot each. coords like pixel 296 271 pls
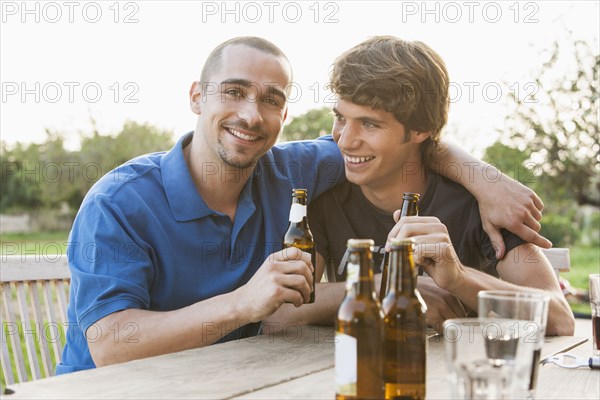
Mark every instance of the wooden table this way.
pixel 297 363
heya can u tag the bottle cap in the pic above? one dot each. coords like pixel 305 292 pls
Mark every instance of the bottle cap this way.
pixel 411 195
pixel 360 243
pixel 397 243
pixel 299 192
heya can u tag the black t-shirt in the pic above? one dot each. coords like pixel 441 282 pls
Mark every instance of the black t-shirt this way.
pixel 343 213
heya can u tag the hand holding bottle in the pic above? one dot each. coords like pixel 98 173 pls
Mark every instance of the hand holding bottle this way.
pixel 434 250
pixel 285 277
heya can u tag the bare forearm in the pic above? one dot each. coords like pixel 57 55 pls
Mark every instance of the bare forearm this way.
pixel 456 164
pixel 475 175
pixel 503 201
pixel 560 317
pixel 133 334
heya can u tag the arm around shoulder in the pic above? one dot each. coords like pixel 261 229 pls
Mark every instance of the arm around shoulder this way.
pixel 527 266
pixel 503 202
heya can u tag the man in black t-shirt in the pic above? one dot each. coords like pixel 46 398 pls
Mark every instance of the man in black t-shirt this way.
pixel 392 105
pixel 344 212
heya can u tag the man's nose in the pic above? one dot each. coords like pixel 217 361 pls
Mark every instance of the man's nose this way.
pixel 249 111
pixel 348 136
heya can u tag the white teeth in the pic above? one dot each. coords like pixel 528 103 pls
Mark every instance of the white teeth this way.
pixel 357 160
pixel 242 136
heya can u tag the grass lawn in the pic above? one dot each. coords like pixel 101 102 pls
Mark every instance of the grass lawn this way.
pixel 42 243
pixel 585 260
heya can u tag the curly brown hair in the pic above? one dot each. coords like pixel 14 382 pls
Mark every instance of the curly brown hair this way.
pixel 407 79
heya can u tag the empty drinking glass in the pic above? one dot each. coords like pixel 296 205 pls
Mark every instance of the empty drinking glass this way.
pixel 487 358
pixel 528 306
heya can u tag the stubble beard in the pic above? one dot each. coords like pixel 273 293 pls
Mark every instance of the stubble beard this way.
pixel 228 159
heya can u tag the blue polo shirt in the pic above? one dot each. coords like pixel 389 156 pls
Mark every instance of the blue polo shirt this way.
pixel 144 238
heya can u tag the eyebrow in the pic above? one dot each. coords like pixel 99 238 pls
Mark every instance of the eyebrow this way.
pixel 246 83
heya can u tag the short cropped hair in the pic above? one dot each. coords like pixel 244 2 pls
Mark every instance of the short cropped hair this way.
pixel 407 79
pixel 213 62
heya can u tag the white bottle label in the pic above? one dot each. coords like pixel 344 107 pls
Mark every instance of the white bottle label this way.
pixel 352 271
pixel 345 364
pixel 297 212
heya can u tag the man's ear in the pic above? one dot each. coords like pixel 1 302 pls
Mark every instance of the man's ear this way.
pixel 419 137
pixel 195 97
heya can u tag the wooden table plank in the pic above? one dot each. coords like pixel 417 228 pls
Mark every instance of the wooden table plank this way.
pixel 581 383
pixel 298 363
pixel 215 372
pixel 316 386
pixel 321 385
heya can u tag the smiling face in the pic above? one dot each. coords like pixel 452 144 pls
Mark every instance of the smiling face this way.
pixel 378 152
pixel 406 79
pixel 242 108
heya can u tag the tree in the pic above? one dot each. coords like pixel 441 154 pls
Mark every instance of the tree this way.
pixel 101 153
pixel 552 142
pixel 46 175
pixel 559 124
pixel 310 125
pixel 511 161
pixel 20 187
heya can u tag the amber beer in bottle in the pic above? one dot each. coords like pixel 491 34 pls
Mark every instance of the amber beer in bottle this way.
pixel 410 207
pixel 404 332
pixel 298 234
pixel 359 329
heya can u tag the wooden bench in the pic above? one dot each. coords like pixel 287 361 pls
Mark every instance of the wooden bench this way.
pixel 560 259
pixel 34 293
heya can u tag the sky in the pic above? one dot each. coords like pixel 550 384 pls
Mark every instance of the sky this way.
pixel 64 63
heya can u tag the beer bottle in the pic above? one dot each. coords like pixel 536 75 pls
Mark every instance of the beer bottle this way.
pixel 359 329
pixel 410 207
pixel 298 234
pixel 405 338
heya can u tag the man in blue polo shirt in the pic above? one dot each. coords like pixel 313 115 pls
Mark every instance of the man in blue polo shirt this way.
pixel 181 249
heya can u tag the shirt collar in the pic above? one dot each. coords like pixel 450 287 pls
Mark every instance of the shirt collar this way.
pixel 184 199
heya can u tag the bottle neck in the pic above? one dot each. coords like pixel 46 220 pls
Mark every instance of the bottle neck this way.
pixel 361 277
pixel 298 212
pixel 409 208
pixel 402 272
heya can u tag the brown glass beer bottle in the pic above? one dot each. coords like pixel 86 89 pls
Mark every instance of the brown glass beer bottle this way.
pixel 410 207
pixel 405 338
pixel 359 329
pixel 298 234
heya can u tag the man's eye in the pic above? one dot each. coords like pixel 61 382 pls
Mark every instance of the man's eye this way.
pixel 233 92
pixel 338 117
pixel 368 124
pixel 271 101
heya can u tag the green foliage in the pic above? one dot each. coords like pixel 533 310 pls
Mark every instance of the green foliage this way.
pixel 511 161
pixel 552 143
pixel 559 123
pixel 561 230
pixel 310 125
pixel 594 231
pixel 585 260
pixel 46 176
pixel 19 189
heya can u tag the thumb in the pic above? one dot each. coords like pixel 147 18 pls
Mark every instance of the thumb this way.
pixel 397 215
pixel 497 243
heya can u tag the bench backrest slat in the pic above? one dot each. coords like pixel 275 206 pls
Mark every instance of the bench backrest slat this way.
pixel 34 296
